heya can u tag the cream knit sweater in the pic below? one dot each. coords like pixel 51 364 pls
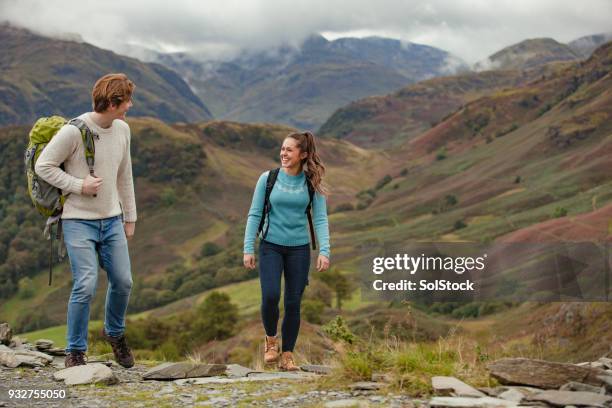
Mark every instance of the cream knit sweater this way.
pixel 112 162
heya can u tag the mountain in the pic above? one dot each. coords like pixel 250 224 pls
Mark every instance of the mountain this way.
pixel 529 54
pixel 386 121
pixel 40 76
pixel 302 86
pixel 528 159
pixel 587 44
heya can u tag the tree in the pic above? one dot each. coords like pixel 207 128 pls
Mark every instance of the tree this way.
pixel 340 284
pixel 216 318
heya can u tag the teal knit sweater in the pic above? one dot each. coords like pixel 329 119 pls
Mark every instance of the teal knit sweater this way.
pixel 288 222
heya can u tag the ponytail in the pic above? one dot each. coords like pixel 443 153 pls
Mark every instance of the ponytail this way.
pixel 312 165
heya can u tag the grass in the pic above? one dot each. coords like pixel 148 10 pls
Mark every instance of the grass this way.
pixel 57 334
pixel 412 365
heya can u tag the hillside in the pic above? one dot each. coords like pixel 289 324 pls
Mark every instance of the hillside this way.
pixel 386 121
pixel 40 76
pixel 504 162
pixel 193 185
pixel 530 54
pixel 302 86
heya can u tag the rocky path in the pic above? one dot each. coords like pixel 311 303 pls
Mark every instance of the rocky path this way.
pixel 277 390
pixel 33 375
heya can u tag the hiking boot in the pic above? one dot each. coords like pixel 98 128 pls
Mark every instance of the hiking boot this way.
pixel 123 354
pixel 287 363
pixel 74 358
pixel 271 350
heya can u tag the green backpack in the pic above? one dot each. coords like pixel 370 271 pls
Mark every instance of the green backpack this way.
pixel 48 199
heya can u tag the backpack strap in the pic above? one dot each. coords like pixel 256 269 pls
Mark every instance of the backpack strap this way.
pixel 88 136
pixel 311 193
pixel 272 176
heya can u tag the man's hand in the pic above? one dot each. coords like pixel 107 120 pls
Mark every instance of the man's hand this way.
pixel 129 228
pixel 249 261
pixel 322 263
pixel 91 185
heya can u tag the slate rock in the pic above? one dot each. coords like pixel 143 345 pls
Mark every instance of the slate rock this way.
pixel 463 402
pixel 86 374
pixel 346 403
pixel 563 398
pixel 512 394
pixel 43 344
pixel 5 334
pixel 542 374
pixel 606 362
pixel 365 386
pixel 577 386
pixel 175 371
pixel 317 369
pixel 236 370
pixel 9 357
pixel 451 385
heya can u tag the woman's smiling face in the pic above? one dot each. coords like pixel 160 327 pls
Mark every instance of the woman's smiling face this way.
pixel 290 154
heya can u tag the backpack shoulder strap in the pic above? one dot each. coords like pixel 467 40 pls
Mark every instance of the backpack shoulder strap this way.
pixel 271 180
pixel 88 136
pixel 311 193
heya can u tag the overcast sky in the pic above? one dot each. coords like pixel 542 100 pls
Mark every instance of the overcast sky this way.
pixel 470 29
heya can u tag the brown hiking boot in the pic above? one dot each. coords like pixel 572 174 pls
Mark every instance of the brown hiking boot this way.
pixel 74 358
pixel 123 354
pixel 287 363
pixel 271 350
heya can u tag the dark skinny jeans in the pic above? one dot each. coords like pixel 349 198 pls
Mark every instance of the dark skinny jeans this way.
pixel 295 262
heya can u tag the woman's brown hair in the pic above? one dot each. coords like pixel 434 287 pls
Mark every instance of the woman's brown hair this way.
pixel 312 165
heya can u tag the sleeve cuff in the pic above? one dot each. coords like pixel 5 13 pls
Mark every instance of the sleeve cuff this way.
pixel 76 186
pixel 129 217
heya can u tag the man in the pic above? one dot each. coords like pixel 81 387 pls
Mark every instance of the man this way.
pixel 99 214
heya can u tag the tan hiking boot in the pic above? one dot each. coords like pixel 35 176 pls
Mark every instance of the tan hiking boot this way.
pixel 287 363
pixel 271 350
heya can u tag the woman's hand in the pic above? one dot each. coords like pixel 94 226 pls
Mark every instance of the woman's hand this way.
pixel 322 263
pixel 249 261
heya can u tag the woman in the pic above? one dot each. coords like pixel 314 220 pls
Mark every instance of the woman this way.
pixel 285 239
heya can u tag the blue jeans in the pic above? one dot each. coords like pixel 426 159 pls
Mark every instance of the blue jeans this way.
pixel 93 243
pixel 294 262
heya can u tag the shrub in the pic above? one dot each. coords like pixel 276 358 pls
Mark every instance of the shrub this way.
pixel 451 200
pixel 460 224
pixel 168 197
pixel 26 288
pixel 560 212
pixel 210 249
pixel 383 182
pixel 338 330
pixel 312 310
pixel 344 207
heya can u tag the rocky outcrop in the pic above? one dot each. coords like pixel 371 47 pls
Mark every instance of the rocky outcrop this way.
pixel 542 374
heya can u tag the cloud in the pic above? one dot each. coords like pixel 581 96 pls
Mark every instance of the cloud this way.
pixel 471 29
